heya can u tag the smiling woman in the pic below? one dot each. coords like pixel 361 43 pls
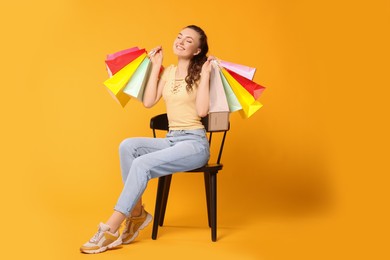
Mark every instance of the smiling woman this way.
pixel 185 88
pixel 184 44
pixel 191 43
pixel 307 178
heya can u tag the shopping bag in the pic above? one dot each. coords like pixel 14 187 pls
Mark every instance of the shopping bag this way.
pixel 252 87
pixel 116 64
pixel 136 85
pixel 121 53
pixel 242 70
pixel 119 80
pixel 234 104
pixel 218 100
pixel 247 101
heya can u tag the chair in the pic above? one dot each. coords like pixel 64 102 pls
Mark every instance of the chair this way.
pixel 160 122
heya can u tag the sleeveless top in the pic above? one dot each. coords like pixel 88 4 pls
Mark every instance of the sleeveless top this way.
pixel 180 104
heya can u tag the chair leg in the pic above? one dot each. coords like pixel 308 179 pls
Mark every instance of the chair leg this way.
pixel 207 187
pixel 157 209
pixel 213 205
pixel 167 185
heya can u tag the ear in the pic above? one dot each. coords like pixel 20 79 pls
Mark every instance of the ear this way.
pixel 197 52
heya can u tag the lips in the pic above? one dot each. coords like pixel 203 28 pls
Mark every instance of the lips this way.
pixel 180 48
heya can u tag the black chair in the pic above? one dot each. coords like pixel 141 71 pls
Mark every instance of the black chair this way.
pixel 210 171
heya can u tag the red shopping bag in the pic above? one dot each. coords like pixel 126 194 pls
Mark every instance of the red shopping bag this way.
pixel 116 64
pixel 252 87
pixel 120 53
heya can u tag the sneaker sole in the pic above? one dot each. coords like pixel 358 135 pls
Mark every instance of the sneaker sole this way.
pixel 114 244
pixel 146 222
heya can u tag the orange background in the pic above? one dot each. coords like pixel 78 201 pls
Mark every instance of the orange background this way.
pixel 305 178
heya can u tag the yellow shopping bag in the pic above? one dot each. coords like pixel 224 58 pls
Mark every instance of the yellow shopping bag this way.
pixel 248 103
pixel 118 81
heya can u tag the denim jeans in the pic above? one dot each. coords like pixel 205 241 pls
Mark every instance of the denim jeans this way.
pixel 142 159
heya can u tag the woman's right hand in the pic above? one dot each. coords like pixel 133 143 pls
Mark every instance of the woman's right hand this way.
pixel 156 56
pixel 153 89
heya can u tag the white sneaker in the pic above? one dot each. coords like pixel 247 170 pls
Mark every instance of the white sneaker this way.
pixel 102 240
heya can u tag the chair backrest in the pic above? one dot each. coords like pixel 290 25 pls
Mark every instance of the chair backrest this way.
pixel 160 122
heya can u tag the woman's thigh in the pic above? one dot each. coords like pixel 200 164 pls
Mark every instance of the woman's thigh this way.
pixel 183 156
pixel 132 148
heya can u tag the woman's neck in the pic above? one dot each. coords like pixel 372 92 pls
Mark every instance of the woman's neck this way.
pixel 182 68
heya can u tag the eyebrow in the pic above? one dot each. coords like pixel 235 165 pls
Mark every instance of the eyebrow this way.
pixel 186 36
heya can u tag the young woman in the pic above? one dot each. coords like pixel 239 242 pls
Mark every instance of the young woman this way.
pixel 185 89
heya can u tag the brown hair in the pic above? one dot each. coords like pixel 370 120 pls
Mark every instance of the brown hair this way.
pixel 195 66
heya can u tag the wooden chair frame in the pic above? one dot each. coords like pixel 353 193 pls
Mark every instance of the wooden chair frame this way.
pixel 160 122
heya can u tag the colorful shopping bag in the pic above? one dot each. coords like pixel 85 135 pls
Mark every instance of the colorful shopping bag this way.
pixel 234 104
pixel 120 61
pixel 252 87
pixel 218 100
pixel 242 70
pixel 247 101
pixel 119 80
pixel 121 53
pixel 136 85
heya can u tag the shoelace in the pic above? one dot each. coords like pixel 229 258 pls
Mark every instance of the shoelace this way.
pixel 95 238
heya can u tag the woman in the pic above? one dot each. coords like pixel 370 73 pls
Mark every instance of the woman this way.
pixel 185 89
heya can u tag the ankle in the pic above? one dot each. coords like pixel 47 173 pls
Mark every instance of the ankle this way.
pixel 137 212
pixel 112 229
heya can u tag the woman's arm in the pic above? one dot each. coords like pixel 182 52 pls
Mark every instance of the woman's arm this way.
pixel 203 92
pixel 154 86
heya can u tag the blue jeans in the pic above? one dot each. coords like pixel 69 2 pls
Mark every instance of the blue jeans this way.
pixel 142 159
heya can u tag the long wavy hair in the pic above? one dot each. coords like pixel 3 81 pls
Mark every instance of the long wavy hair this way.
pixel 196 63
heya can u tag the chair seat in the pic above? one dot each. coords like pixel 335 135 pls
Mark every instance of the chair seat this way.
pixel 214 167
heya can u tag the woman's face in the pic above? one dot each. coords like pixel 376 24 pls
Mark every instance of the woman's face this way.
pixel 187 43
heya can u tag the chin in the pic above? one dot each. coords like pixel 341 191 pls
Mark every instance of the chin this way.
pixel 177 53
pixel 182 55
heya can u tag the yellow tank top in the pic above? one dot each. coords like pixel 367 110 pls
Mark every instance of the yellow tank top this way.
pixel 180 104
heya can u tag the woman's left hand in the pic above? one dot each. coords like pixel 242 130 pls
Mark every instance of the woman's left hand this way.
pixel 206 68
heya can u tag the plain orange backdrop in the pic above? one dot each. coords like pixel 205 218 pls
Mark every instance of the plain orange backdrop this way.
pixel 305 178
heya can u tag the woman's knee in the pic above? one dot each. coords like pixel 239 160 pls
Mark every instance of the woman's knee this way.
pixel 141 168
pixel 126 146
